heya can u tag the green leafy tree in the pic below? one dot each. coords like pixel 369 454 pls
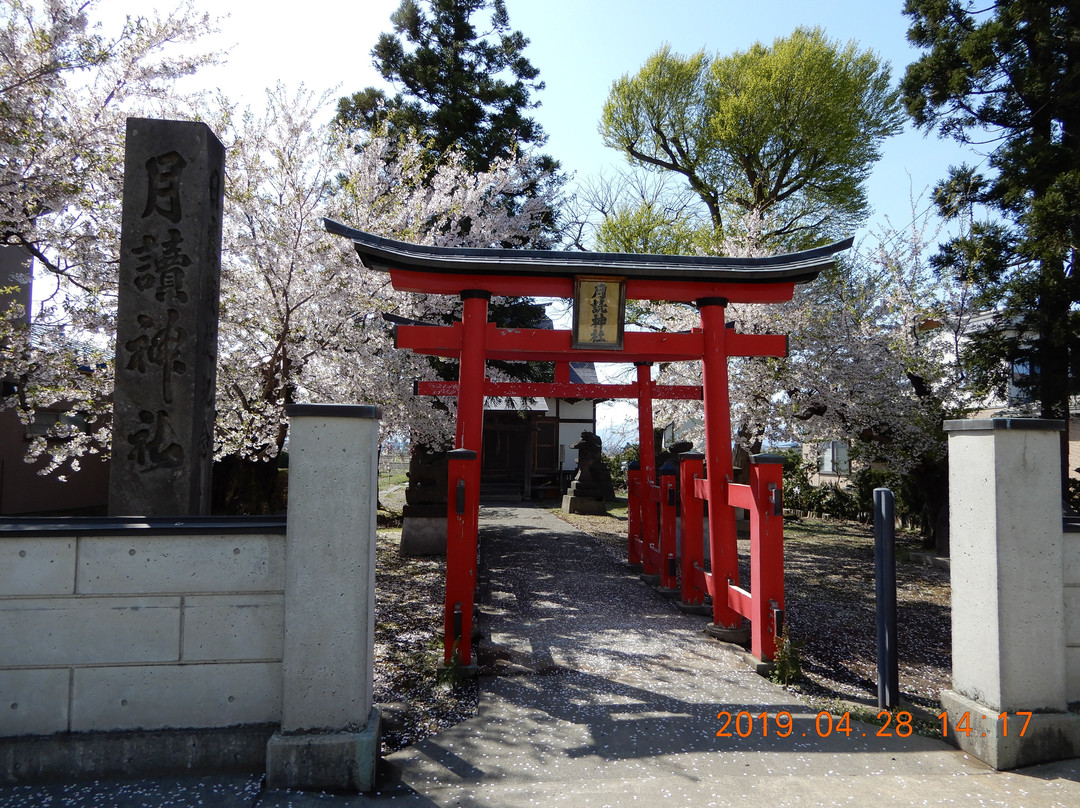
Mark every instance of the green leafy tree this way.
pixel 456 86
pixel 1007 76
pixel 777 141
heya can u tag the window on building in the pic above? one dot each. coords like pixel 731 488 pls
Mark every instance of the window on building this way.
pixel 833 458
pixel 1022 383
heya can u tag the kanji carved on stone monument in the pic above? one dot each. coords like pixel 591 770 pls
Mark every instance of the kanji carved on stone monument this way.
pixel 166 346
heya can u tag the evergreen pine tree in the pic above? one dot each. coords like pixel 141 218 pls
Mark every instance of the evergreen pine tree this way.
pixel 1007 77
pixel 456 86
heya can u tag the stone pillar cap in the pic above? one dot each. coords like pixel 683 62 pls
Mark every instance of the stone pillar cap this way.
pixel 994 424
pixel 333 411
pixel 760 459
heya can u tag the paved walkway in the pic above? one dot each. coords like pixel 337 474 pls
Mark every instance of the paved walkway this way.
pixel 609 696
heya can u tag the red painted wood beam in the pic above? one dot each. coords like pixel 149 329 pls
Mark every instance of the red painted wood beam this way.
pixel 741 496
pixel 757 344
pixel 681 392
pixel 741 601
pixel 705 582
pixel 438 283
pixel 544 345
pixel 690 291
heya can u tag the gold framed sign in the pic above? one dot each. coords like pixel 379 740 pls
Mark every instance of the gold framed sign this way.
pixel 599 313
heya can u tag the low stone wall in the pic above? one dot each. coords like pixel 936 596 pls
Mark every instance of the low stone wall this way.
pixel 122 626
pixel 131 646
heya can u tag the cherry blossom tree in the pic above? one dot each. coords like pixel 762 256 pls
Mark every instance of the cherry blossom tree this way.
pixel 873 354
pixel 301 318
pixel 66 88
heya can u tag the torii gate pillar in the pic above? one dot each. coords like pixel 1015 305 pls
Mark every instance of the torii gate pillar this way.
pixel 463 524
pixel 646 457
pixel 471 373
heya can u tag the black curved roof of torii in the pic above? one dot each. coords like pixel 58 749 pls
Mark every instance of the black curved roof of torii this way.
pixel 380 253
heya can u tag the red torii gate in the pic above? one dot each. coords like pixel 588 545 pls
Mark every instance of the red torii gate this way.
pixel 709 282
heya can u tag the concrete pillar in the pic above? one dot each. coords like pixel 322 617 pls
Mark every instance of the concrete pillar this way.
pixel 1008 611
pixel 329 738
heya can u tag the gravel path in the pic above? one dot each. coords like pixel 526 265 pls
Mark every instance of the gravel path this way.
pixel 560 600
pixel 831 608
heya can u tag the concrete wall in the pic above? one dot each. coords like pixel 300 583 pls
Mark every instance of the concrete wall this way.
pixel 127 645
pixel 1072 613
pixel 1015 574
pixel 119 632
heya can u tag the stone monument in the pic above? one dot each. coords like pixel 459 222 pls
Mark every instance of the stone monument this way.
pixel 423 528
pixel 592 487
pixel 167 320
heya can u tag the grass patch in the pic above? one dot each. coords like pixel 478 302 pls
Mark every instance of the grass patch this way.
pixel 895 722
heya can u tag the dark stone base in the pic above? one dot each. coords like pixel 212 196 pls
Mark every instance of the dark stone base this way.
pixel 650 579
pixel 67 757
pixel 423 535
pixel 693 608
pixel 669 593
pixel 592 506
pixel 739 636
pixel 337 761
pixel 425 510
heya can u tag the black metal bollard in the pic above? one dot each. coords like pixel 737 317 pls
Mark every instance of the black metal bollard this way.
pixel 885 578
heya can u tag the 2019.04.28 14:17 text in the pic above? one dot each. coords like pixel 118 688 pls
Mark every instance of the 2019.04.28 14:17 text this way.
pixel 743 724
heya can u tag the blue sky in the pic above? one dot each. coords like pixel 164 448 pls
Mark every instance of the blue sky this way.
pixel 580 47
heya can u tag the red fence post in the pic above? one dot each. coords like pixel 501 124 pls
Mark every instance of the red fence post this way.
pixel 462 525
pixel 691 467
pixel 723 547
pixel 767 553
pixel 669 580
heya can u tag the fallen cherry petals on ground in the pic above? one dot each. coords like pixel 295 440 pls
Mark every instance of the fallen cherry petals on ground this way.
pixel 830 607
